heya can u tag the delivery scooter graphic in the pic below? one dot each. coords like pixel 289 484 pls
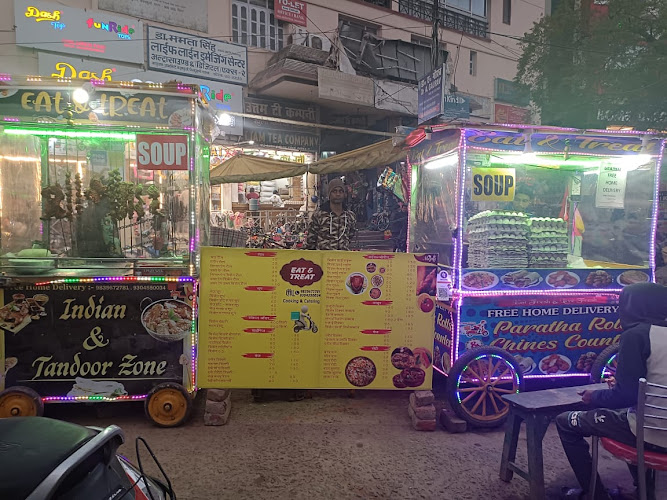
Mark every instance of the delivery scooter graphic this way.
pixel 305 322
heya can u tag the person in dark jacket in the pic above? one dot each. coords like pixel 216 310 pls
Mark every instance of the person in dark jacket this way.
pixel 642 353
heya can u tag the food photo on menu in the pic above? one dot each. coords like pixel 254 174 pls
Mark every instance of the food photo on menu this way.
pixel 412 364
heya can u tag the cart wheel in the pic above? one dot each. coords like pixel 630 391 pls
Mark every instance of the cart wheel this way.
pixel 168 405
pixel 605 364
pixel 477 382
pixel 20 401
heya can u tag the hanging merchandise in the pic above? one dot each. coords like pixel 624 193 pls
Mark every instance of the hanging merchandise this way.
pixel 391 181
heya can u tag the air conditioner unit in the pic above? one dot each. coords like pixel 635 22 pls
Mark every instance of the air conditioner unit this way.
pixel 314 40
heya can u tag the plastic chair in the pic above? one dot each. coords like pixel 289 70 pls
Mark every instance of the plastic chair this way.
pixel 655 403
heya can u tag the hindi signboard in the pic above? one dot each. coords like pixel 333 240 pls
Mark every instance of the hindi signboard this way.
pixel 430 92
pixel 194 56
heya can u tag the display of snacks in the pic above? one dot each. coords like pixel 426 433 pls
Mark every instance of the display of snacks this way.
pixel 547 242
pixel 498 239
pixel 599 279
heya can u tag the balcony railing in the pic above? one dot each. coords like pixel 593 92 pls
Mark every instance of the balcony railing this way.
pixel 450 19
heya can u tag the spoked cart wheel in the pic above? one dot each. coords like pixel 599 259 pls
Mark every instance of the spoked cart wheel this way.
pixel 20 401
pixel 605 364
pixel 478 381
pixel 168 405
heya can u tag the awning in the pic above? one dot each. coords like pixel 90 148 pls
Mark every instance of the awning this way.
pixel 376 155
pixel 244 168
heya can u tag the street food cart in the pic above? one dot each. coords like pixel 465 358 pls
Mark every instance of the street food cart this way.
pixel 538 230
pixel 104 205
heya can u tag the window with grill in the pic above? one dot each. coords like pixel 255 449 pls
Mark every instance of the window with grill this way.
pixel 254 24
pixel 381 3
pixel 468 16
pixel 507 11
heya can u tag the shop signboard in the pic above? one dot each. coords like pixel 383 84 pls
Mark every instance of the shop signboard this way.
pixel 291 11
pixel 220 96
pixel 342 87
pixel 89 33
pixel 571 279
pixel 35 105
pixel 162 152
pixel 548 334
pixel 94 339
pixel 456 107
pixel 445 319
pixel 505 113
pixel 559 143
pixel 612 180
pixel 266 132
pixel 493 184
pixel 326 319
pixel 184 13
pixel 508 91
pixel 430 94
pixel 197 57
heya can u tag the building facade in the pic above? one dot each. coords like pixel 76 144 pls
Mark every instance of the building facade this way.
pixel 353 64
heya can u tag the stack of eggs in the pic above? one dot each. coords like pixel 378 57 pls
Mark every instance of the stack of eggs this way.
pixel 547 242
pixel 498 239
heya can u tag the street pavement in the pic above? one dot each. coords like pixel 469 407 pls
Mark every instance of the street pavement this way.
pixel 330 447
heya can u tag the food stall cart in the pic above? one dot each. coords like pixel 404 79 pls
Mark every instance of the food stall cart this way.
pixel 538 230
pixel 104 204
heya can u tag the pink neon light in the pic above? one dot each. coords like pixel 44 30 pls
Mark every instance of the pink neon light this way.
pixel 457 333
pixel 499 293
pixel 560 375
pixel 65 399
pixel 195 339
pixel 656 208
pixel 408 230
pixel 10 119
pixel 90 47
pixel 5 77
pixel 461 181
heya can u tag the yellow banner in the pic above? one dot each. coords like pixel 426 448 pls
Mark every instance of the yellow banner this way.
pixel 493 184
pixel 316 319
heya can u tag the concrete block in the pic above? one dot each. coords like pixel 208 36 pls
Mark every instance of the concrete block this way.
pixel 421 425
pixel 215 419
pixel 422 398
pixel 217 394
pixel 451 422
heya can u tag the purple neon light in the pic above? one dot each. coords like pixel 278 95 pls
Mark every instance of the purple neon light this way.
pixel 5 77
pixel 656 208
pixel 66 399
pixel 457 334
pixel 503 293
pixel 460 188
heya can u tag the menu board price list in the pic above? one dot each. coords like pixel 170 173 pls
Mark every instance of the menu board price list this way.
pixel 324 319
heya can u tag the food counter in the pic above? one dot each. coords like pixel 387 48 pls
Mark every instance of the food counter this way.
pixel 538 230
pixel 104 206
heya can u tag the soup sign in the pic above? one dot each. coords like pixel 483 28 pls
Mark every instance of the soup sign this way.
pixel 162 152
pixel 493 184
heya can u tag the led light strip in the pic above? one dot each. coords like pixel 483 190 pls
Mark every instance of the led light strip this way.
pixel 460 188
pixel 103 279
pixel 71 133
pixel 552 293
pixel 656 209
pixel 69 399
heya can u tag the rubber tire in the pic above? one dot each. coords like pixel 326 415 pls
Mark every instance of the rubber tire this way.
pixel 455 372
pixel 169 385
pixel 601 361
pixel 315 329
pixel 26 391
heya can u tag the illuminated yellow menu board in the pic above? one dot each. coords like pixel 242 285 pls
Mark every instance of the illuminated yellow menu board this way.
pixel 315 319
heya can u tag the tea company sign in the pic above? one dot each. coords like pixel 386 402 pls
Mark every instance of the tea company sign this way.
pixel 52 26
pixel 291 11
pixel 222 97
pixel 162 152
pixel 195 56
